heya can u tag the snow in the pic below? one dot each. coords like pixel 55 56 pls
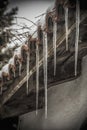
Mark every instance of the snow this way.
pixel 11 61
pixel 5 68
pixel 42 21
pixel 0 73
pixel 33 31
pixel 3 50
pixel 51 7
pixel 17 52
pixel 10 45
pixel 16 42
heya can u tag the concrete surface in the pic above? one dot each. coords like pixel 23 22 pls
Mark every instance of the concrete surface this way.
pixel 67 106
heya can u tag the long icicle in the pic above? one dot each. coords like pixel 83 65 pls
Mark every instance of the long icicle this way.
pixel 37 76
pixel 45 54
pixel 54 44
pixel 77 34
pixel 27 85
pixel 66 27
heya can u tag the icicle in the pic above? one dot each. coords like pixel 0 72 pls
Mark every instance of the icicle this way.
pixel 66 27
pixel 37 77
pixel 27 86
pixel 20 65
pixel 54 44
pixel 77 34
pixel 45 54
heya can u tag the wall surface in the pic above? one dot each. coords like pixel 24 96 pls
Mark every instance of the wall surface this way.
pixel 67 106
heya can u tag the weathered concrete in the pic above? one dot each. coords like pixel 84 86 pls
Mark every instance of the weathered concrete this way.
pixel 67 106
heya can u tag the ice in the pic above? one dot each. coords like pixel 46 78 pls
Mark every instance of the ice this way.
pixel 54 44
pixel 37 77
pixel 28 57
pixel 45 54
pixel 66 27
pixel 77 34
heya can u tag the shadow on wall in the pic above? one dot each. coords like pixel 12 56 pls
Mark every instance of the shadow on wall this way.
pixel 9 124
pixel 83 4
pixel 84 125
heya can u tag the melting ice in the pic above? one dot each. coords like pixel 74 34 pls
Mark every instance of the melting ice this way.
pixel 77 34
pixel 37 77
pixel 54 44
pixel 45 54
pixel 28 57
pixel 66 27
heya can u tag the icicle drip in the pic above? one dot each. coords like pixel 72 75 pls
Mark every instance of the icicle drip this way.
pixel 27 86
pixel 66 27
pixel 77 34
pixel 37 77
pixel 45 54
pixel 20 65
pixel 54 44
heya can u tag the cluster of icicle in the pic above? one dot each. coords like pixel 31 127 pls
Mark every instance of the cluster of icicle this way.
pixel 45 55
pixel 77 32
pixel 45 63
pixel 11 62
